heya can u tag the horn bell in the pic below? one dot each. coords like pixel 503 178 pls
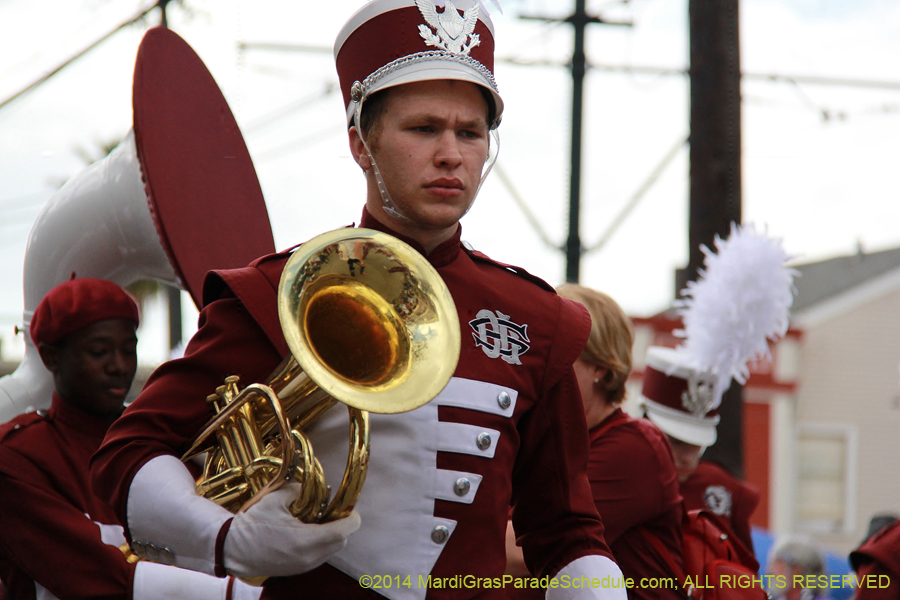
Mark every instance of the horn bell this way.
pixel 369 320
pixel 370 324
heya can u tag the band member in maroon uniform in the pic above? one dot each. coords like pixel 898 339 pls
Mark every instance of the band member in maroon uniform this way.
pixel 508 430
pixel 630 467
pixel 739 304
pixel 704 485
pixel 877 565
pixel 58 540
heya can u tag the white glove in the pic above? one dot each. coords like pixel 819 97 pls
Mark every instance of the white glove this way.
pixel 153 581
pixel 268 540
pixel 578 575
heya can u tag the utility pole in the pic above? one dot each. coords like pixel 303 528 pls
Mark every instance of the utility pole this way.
pixel 715 171
pixel 579 20
pixel 163 15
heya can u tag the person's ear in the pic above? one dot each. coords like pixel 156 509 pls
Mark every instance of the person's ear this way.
pixel 600 373
pixel 358 149
pixel 49 356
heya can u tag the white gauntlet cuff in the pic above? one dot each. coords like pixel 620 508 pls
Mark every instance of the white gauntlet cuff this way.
pixel 581 575
pixel 160 582
pixel 169 522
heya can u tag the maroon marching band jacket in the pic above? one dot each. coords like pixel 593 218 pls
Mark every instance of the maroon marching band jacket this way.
pixel 635 488
pixel 877 564
pixel 713 488
pixel 53 530
pixel 538 463
pixel 635 485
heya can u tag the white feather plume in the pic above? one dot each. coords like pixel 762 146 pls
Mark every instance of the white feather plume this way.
pixel 741 300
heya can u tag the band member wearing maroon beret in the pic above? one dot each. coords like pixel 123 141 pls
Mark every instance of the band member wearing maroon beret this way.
pixel 630 467
pixel 57 539
pixel 422 108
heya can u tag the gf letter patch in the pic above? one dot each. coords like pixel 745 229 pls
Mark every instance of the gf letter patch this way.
pixel 498 336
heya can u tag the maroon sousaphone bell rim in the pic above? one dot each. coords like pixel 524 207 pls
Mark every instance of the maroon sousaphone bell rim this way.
pixel 201 185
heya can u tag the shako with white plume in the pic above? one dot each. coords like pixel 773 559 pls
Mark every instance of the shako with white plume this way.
pixel 740 302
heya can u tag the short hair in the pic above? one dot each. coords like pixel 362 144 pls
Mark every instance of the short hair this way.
pixel 610 342
pixel 799 552
pixel 373 110
pixel 371 113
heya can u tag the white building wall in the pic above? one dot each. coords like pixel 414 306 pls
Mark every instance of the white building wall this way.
pixel 849 377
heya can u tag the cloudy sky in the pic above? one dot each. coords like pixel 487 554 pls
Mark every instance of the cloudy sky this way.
pixel 820 161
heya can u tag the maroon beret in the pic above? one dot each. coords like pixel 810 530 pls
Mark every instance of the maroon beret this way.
pixel 78 303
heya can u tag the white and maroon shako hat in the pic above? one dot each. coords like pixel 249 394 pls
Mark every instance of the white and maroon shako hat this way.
pixel 392 42
pixel 678 398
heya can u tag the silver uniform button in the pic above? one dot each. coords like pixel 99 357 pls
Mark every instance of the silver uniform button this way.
pixel 152 552
pixel 483 440
pixel 504 400
pixel 462 486
pixel 166 556
pixel 440 534
pixel 138 549
pixel 468 246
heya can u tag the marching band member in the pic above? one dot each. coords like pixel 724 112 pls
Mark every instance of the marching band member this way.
pixel 57 539
pixel 630 467
pixel 877 564
pixel 741 302
pixel 509 429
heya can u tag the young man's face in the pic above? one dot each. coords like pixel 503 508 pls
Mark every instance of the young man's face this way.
pixel 687 457
pixel 430 145
pixel 94 367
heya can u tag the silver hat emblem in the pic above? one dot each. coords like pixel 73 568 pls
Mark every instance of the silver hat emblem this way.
pixel 452 32
pixel 698 398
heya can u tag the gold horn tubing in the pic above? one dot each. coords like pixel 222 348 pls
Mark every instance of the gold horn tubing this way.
pixel 240 447
pixel 231 495
pixel 310 504
pixel 302 401
pixel 369 323
pixel 357 466
pixel 285 468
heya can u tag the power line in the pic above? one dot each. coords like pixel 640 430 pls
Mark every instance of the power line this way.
pixel 140 15
pixel 286 110
pixel 284 47
pixel 629 69
pixel 683 72
pixel 517 197
pixel 639 194
pixel 298 143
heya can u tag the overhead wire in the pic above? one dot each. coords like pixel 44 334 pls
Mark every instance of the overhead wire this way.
pixel 40 80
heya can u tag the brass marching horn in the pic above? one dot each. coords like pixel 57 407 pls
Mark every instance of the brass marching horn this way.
pixel 369 323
